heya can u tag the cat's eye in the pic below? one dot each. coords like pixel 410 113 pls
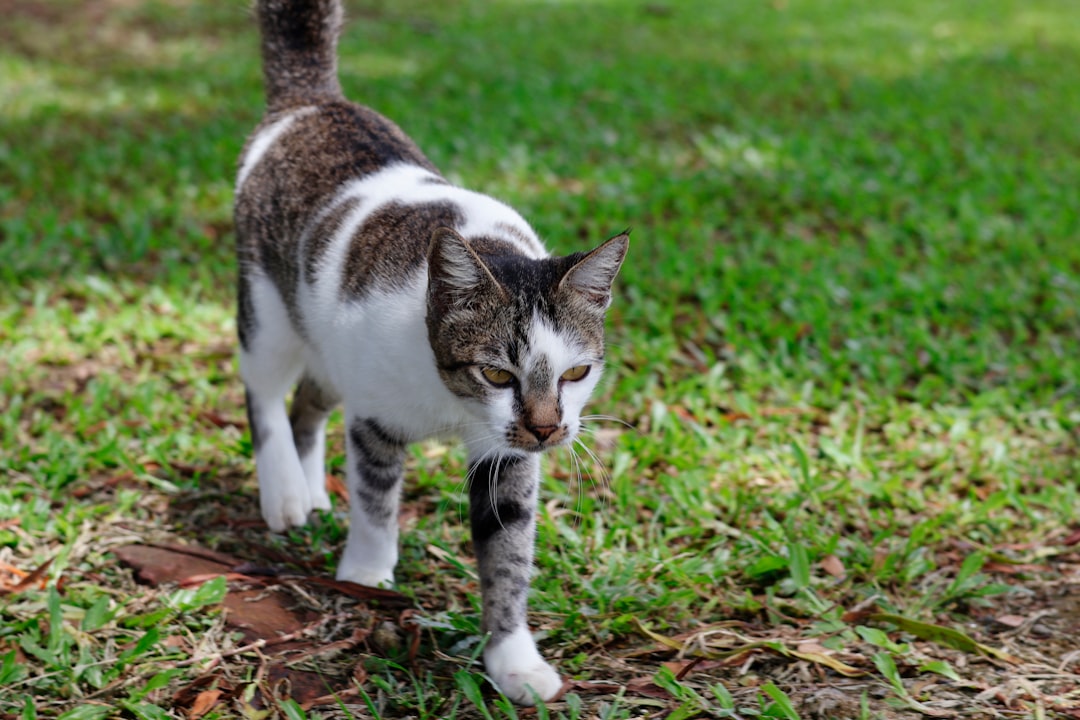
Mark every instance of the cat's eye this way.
pixel 576 373
pixel 497 376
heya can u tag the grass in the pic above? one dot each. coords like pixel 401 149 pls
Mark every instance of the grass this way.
pixel 844 343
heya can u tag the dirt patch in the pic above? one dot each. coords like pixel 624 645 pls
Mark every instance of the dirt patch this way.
pixel 278 632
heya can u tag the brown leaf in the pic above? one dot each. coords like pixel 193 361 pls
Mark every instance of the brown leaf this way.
pixel 185 470
pixel 20 656
pixel 359 674
pixel 390 598
pixel 157 564
pixel 220 420
pixel 832 565
pixel 592 686
pixel 646 687
pixel 820 658
pixel 1072 539
pixel 682 413
pixel 336 487
pixel 200 578
pixel 781 411
pixel 1013 621
pixel 1014 568
pixel 204 703
pixel 681 668
pixel 811 647
pixel 409 625
pixel 28 582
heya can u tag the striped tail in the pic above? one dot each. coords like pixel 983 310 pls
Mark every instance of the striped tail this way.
pixel 299 51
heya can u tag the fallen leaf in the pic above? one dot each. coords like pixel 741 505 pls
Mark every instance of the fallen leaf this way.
pixel 645 686
pixel 828 661
pixel 1014 568
pixel 221 421
pixel 943 636
pixel 680 668
pixel 390 598
pixel 1013 621
pixel 27 582
pixel 811 647
pixel 186 470
pixel 725 654
pixel 683 413
pixel 832 565
pixel 12 570
pixel 336 487
pixel 200 578
pixel 204 703
pixel 591 686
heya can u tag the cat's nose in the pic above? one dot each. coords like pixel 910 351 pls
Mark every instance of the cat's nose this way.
pixel 543 432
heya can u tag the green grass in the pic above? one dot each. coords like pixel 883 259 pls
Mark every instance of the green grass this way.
pixel 845 342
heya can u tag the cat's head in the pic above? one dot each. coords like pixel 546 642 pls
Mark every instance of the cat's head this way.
pixel 520 339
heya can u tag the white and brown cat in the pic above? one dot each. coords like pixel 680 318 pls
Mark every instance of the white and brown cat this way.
pixel 365 278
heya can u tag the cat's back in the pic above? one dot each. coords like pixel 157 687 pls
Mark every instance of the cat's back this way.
pixel 335 196
pixel 335 205
pixel 294 192
pixel 298 158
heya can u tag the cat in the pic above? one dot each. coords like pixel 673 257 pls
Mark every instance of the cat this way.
pixel 427 310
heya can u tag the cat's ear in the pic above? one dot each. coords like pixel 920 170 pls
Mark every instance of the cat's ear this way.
pixel 593 274
pixel 454 269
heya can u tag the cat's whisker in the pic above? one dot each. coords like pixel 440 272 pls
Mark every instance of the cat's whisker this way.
pixel 605 477
pixel 608 418
pixel 579 487
pixel 493 490
pixel 470 472
pixel 583 470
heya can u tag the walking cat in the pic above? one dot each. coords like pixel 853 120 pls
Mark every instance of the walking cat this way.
pixel 365 278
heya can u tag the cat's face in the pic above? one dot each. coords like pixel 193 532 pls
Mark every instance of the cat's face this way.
pixel 522 339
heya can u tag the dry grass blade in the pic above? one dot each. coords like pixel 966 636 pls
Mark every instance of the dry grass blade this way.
pixel 29 580
pixel 701 644
pixel 943 635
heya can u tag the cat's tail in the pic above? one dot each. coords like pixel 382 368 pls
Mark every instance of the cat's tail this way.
pixel 299 51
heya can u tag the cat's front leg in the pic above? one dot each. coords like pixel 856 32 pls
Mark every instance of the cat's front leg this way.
pixel 375 467
pixel 502 508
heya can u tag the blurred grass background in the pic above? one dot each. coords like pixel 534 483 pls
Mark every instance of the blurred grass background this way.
pixel 847 328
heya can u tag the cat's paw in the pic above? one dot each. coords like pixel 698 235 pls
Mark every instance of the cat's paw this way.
pixel 285 510
pixel 369 577
pixel 320 500
pixel 518 670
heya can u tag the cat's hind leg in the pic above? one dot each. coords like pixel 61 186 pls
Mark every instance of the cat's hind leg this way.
pixel 271 360
pixel 311 405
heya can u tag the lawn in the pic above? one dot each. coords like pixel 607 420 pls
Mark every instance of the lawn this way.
pixel 834 465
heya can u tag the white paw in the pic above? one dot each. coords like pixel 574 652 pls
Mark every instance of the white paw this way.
pixel 315 474
pixel 370 554
pixel 320 500
pixel 370 577
pixel 518 670
pixel 285 511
